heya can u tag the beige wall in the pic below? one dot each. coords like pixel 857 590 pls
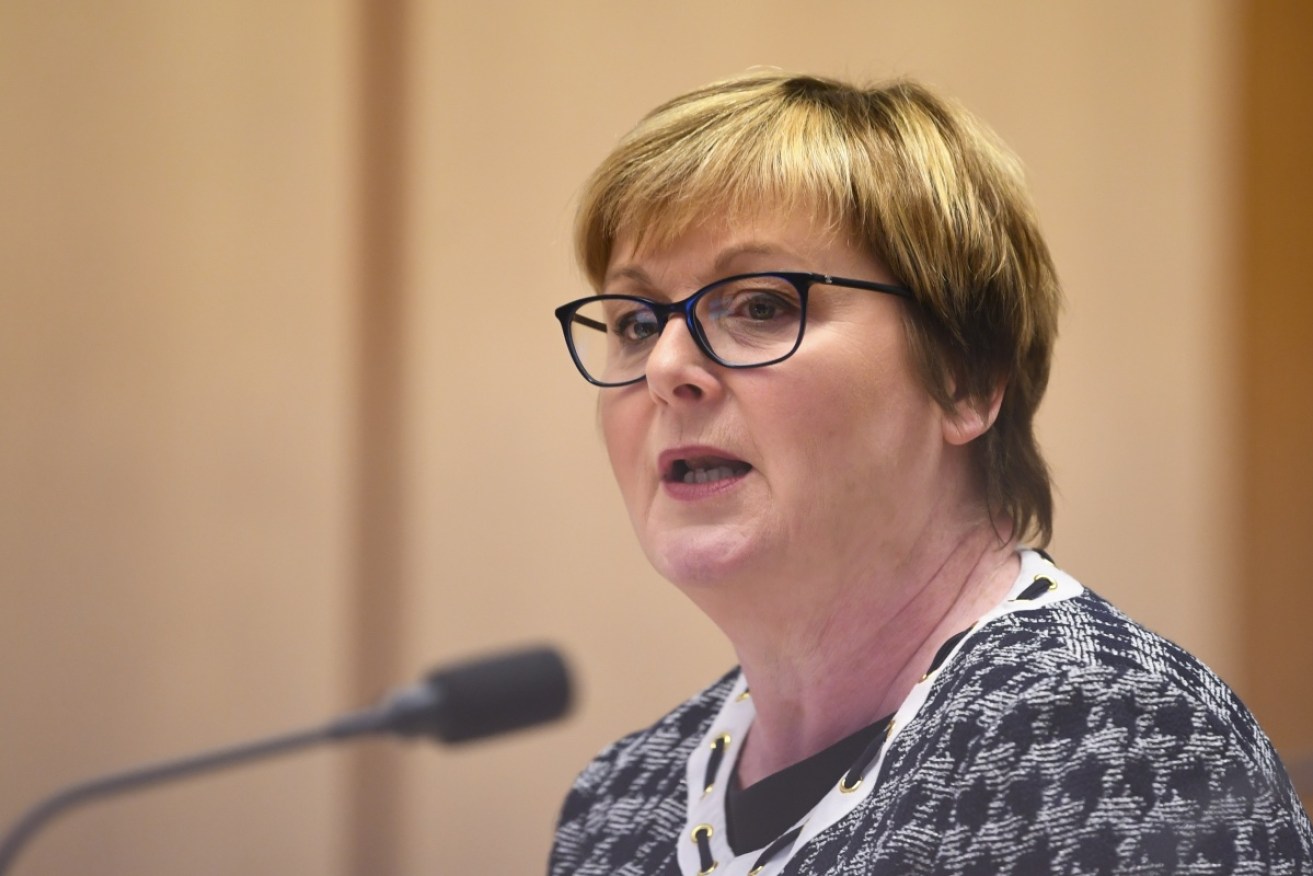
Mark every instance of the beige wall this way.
pixel 179 345
pixel 175 366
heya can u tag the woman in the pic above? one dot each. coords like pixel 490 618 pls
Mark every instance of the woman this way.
pixel 824 323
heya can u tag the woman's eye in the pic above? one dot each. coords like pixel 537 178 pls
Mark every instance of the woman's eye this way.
pixel 762 305
pixel 635 326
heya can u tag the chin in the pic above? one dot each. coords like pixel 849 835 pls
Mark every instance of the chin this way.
pixel 702 556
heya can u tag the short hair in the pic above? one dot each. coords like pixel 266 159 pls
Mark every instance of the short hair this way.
pixel 932 192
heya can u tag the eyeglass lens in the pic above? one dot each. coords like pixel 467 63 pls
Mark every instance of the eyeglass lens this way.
pixel 744 321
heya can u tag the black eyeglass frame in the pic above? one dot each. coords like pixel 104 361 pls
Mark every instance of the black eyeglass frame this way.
pixel 800 280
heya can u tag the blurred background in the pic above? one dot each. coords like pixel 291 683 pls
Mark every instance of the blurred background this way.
pixel 285 418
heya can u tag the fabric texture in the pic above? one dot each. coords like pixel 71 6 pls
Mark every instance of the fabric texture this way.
pixel 1063 740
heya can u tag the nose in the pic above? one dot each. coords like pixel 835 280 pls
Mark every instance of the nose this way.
pixel 677 369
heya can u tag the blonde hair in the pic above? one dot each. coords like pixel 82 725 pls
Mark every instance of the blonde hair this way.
pixel 929 189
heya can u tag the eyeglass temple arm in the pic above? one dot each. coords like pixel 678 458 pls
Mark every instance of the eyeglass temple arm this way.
pixel 590 323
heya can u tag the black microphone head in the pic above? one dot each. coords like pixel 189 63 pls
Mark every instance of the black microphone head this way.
pixel 497 694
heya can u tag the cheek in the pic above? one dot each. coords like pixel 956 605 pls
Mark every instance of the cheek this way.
pixel 864 423
pixel 622 435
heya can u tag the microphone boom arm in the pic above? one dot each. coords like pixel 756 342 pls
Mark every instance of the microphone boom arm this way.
pixel 127 780
pixel 469 701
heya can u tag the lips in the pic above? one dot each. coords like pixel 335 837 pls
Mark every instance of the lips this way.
pixel 698 467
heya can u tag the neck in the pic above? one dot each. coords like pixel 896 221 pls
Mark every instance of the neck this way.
pixel 826 667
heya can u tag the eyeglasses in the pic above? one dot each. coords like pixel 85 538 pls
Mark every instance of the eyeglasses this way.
pixel 744 321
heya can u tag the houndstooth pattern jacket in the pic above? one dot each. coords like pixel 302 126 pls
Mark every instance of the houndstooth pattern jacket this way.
pixel 1062 740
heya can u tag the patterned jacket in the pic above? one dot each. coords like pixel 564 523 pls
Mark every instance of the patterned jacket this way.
pixel 1063 738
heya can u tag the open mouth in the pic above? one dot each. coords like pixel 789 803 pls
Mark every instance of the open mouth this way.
pixel 706 470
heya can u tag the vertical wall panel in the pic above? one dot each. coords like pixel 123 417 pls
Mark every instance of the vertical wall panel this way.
pixel 378 601
pixel 1276 295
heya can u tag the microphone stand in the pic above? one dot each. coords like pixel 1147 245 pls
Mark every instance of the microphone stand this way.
pixel 373 720
pixel 471 700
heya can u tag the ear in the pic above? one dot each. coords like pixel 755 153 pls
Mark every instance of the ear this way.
pixel 972 417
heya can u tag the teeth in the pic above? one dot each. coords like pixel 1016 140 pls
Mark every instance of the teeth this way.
pixel 707 475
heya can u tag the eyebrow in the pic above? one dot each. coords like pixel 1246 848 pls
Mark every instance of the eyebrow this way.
pixel 718 266
pixel 629 272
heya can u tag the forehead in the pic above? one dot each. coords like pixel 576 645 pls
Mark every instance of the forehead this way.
pixel 720 244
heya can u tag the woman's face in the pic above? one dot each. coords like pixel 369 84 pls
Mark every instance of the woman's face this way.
pixel 820 464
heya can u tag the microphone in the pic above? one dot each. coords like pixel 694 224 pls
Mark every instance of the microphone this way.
pixel 471 700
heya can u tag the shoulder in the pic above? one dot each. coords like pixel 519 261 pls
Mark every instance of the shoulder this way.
pixel 1110 745
pixel 659 747
pixel 1082 655
pixel 627 805
pixel 1083 635
pixel 1081 680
